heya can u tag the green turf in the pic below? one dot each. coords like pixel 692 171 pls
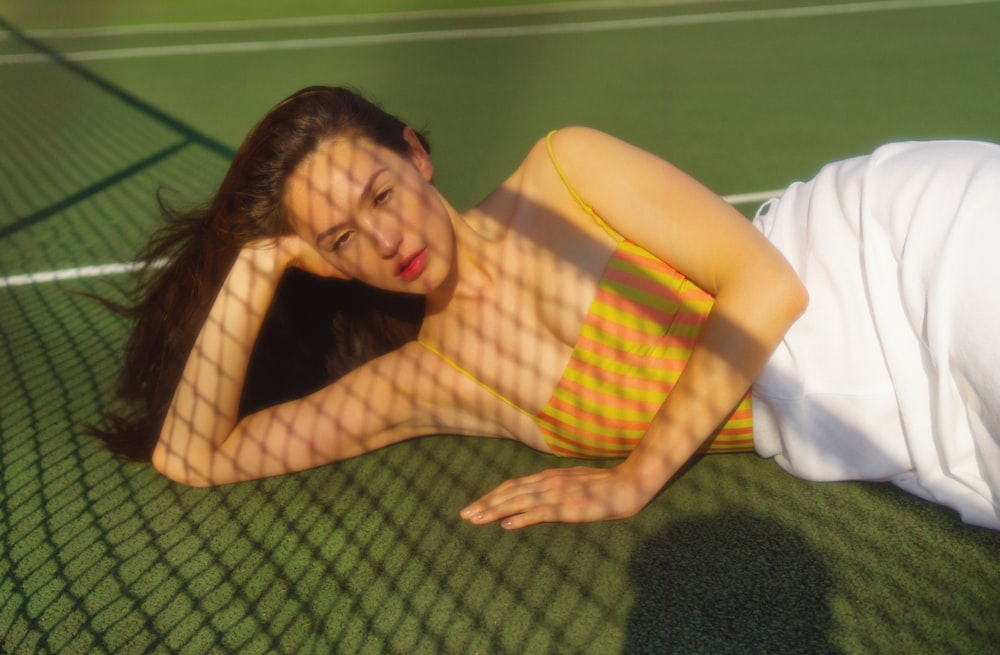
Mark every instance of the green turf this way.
pixel 369 555
pixel 94 13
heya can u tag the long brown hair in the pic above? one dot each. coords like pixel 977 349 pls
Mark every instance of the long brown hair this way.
pixel 301 345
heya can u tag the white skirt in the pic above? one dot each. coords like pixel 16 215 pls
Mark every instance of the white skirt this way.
pixel 893 372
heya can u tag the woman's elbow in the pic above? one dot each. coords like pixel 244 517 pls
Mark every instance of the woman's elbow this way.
pixel 179 469
pixel 797 297
pixel 785 296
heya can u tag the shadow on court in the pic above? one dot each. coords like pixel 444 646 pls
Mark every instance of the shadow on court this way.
pixel 728 584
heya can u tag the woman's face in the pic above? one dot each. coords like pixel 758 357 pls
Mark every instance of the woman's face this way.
pixel 374 214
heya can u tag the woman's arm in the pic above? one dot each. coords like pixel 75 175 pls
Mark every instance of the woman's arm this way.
pixel 757 298
pixel 203 442
pixel 203 412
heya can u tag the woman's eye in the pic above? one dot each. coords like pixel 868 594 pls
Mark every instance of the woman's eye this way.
pixel 381 197
pixel 342 240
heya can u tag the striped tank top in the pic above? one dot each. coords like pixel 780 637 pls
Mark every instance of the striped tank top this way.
pixel 635 341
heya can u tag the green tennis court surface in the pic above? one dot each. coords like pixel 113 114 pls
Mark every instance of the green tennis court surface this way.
pixel 103 103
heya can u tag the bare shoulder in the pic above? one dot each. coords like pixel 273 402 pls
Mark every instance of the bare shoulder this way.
pixel 570 143
pixel 585 154
pixel 577 145
pixel 581 136
pixel 654 204
pixel 547 176
pixel 575 157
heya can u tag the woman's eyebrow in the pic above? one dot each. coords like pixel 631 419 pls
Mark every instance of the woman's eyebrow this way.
pixel 366 193
pixel 364 196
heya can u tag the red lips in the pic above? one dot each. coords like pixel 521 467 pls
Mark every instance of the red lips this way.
pixel 411 267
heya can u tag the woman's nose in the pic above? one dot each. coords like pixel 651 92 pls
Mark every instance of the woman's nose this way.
pixel 386 235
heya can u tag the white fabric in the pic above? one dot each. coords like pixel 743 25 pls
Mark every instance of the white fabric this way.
pixel 893 372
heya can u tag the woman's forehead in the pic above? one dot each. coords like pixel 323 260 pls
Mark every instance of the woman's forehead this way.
pixel 333 177
pixel 348 157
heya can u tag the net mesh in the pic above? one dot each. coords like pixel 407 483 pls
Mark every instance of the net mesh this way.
pixel 369 556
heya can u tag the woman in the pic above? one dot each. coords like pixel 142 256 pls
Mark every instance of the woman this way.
pixel 592 252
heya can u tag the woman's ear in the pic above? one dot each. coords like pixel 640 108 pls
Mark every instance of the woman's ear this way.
pixel 418 154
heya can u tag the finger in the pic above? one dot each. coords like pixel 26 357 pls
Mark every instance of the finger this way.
pixel 559 490
pixel 499 495
pixel 534 516
pixel 556 510
pixel 519 495
pixel 512 505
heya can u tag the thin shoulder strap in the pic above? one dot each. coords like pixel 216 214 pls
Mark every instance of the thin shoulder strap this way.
pixel 576 196
pixel 457 367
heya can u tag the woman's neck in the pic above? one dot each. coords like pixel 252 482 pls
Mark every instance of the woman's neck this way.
pixel 476 258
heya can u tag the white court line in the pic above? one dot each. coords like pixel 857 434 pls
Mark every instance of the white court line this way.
pixel 491 32
pixel 355 19
pixel 756 196
pixel 103 270
pixel 100 270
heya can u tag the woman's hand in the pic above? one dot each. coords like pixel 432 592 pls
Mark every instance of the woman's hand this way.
pixel 293 251
pixel 572 495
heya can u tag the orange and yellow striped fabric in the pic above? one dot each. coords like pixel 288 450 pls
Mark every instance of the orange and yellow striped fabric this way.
pixel 637 337
pixel 635 342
